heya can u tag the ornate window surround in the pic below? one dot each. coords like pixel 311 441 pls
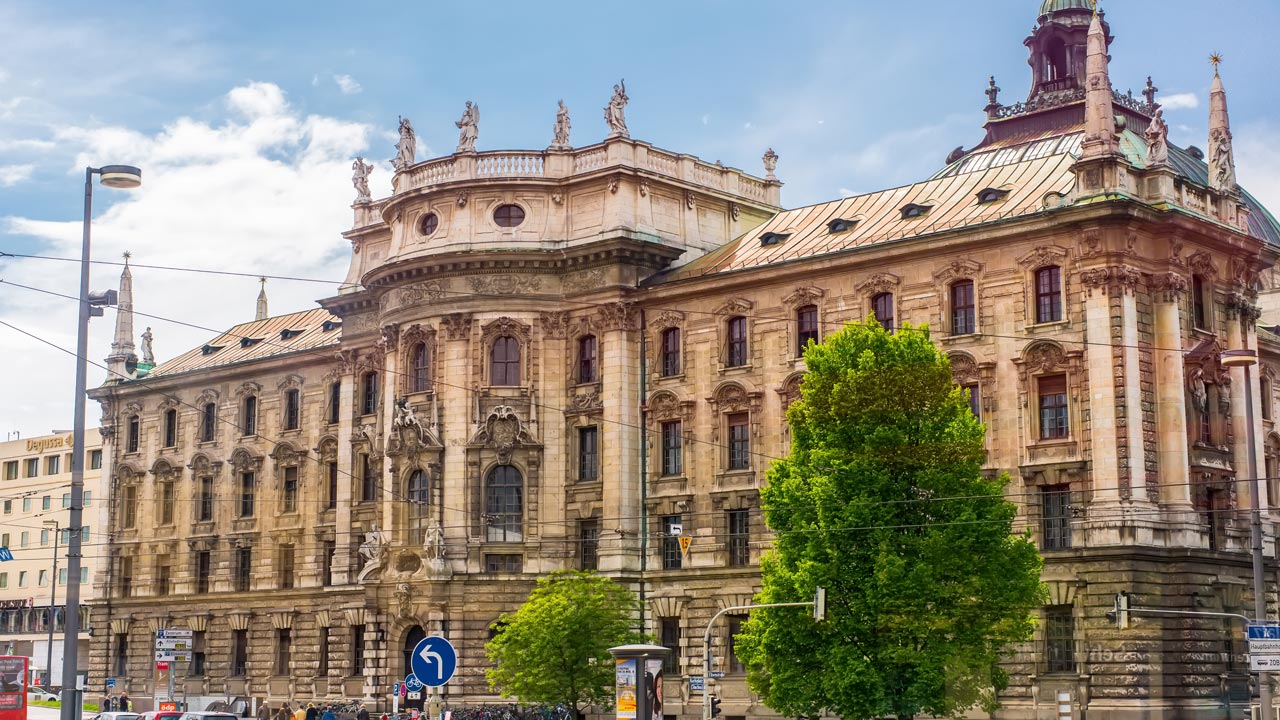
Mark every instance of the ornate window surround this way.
pixel 409 339
pixel 1039 258
pixel 506 326
pixel 667 320
pixel 667 406
pixel 798 298
pixel 728 398
pixel 876 284
pixel 943 279
pixel 736 307
pixel 1041 358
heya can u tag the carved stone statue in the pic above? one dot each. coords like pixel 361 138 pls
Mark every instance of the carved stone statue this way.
pixel 1199 395
pixel 1157 141
pixel 148 356
pixel 770 164
pixel 560 130
pixel 406 419
pixel 374 552
pixel 433 544
pixel 1222 165
pixel 468 128
pixel 407 148
pixel 360 171
pixel 614 113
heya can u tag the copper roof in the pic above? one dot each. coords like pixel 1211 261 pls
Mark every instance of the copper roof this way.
pixel 259 340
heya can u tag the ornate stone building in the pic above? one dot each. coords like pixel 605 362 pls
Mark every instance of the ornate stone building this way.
pixel 574 357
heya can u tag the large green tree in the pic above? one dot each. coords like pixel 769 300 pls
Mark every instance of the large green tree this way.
pixel 883 502
pixel 555 648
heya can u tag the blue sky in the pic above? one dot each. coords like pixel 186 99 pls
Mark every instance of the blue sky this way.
pixel 245 116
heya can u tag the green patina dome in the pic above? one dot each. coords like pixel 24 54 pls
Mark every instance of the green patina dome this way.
pixel 1052 6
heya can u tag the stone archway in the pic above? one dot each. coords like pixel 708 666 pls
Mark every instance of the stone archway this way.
pixel 412 637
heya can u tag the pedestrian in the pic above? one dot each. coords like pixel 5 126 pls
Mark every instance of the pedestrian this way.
pixel 264 710
pixel 300 713
pixel 124 704
pixel 284 713
pixel 312 712
pixel 362 713
pixel 328 713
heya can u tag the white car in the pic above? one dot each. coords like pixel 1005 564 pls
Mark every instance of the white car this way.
pixel 38 695
pixel 117 716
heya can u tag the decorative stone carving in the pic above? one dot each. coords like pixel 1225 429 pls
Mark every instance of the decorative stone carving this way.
pixel 587 401
pixel 1111 279
pixel 503 431
pixel 879 283
pixel 433 546
pixel 734 211
pixel 619 315
pixel 468 128
pixel 1168 287
pixel 668 319
pixel 406 422
pixel 1157 136
pixel 462 198
pixel 1043 256
pixel 732 397
pixel 360 171
pixel 770 164
pixel 505 284
pixel 644 187
pixel 243 462
pixel 292 381
pixel 963 368
pixel 404 601
pixel 804 295
pixel 457 326
pixel 554 323
pixel 247 388
pixel 390 339
pixel 1222 164
pixel 735 306
pixel 614 112
pixel 1201 263
pixel 407 148
pixel 506 326
pixel 1197 391
pixel 374 551
pixel 346 361
pixel 429 291
pixel 790 391
pixel 1043 357
pixel 583 280
pixel 557 197
pixel 560 131
pixel 689 199
pixel 148 355
pixel 613 184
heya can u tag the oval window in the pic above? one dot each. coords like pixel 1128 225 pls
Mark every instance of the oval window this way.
pixel 508 215
pixel 428 224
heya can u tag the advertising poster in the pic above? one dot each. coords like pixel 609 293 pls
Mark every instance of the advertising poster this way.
pixel 625 674
pixel 653 687
pixel 13 688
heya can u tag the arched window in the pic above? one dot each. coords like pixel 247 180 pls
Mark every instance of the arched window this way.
pixel 369 394
pixel 670 352
pixel 208 422
pixel 411 640
pixel 1049 294
pixel 587 359
pixel 504 362
pixel 131 435
pixel 1056 57
pixel 882 307
pixel 963 313
pixel 170 427
pixel 421 368
pixel 419 505
pixel 736 346
pixel 806 327
pixel 1264 388
pixel 504 504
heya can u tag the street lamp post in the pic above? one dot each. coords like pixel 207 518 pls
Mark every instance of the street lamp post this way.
pixel 53 603
pixel 116 176
pixel 1246 359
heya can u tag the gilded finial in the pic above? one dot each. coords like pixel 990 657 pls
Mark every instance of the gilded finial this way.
pixel 263 281
pixel 1216 60
pixel 127 255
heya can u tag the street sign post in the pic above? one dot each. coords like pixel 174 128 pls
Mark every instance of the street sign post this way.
pixel 111 683
pixel 169 633
pixel 1264 647
pixel 434 661
pixel 696 683
pixel 5 554
pixel 412 683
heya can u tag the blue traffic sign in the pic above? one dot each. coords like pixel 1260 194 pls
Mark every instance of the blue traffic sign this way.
pixel 433 661
pixel 395 688
pixel 412 683
pixel 1264 632
pixel 111 683
pixel 5 554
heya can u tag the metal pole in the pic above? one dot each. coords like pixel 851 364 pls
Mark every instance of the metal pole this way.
pixel 706 647
pixel 71 705
pixel 1255 530
pixel 53 604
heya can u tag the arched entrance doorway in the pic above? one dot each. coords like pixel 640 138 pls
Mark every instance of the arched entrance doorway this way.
pixel 412 637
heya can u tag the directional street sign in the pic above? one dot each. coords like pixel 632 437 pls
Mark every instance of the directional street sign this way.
pixel 111 683
pixel 1264 647
pixel 173 633
pixel 696 683
pixel 1264 632
pixel 395 688
pixel 412 683
pixel 434 661
pixel 1264 662
pixel 414 695
pixel 5 554
pixel 182 644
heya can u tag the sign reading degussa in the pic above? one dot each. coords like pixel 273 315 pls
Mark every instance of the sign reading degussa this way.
pixel 39 445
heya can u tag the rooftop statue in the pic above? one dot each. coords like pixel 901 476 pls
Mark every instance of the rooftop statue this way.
pixel 360 171
pixel 407 148
pixel 560 130
pixel 468 128
pixel 148 356
pixel 614 111
pixel 770 164
pixel 1157 141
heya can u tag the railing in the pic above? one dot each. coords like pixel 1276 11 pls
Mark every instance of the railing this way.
pixel 709 175
pixel 435 171
pixel 752 188
pixel 664 163
pixel 589 160
pixel 512 164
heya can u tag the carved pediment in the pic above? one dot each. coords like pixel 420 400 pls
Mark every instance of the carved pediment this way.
pixel 244 461
pixel 506 326
pixel 963 368
pixel 668 319
pixel 286 454
pixel 1044 256
pixel 804 295
pixel 292 381
pixel 1201 263
pixel 736 306
pixel 206 397
pixel 665 406
pixel 1044 357
pixel 957 269
pixel 163 470
pixel 879 283
pixel 504 431
pixel 202 464
pixel 248 388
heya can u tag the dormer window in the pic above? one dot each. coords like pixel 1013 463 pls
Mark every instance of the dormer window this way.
pixel 990 195
pixel 773 238
pixel 329 325
pixel 840 225
pixel 210 349
pixel 249 342
pixel 912 210
pixel 288 334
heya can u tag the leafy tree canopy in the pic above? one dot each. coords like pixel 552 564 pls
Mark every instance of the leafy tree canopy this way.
pixel 555 648
pixel 882 501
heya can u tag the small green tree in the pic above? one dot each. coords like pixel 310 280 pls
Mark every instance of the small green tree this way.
pixel 555 648
pixel 882 502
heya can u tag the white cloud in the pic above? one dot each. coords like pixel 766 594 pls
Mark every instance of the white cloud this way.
pixel 706 119
pixel 347 84
pixel 263 190
pixel 11 175
pixel 1180 101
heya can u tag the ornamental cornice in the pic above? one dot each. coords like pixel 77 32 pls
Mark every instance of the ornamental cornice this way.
pixel 1168 287
pixel 1111 279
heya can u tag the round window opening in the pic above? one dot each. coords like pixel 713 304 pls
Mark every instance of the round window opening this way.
pixel 508 215
pixel 429 223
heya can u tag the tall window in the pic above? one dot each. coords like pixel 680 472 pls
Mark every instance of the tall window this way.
pixel 670 364
pixel 283 643
pixel 95 459
pixel 129 507
pixel 170 432
pixel 120 662
pixel 671 555
pixel 588 454
pixel 672 448
pixel 208 422
pixel 335 401
pixel 369 393
pixel 126 577
pixel 131 435
pixel 1264 389
pixel 504 362
pixel 196 668
pixel 322 652
pixel 292 408
pixel 368 479
pixel 739 522
pixel 246 494
pixel 331 497
pixel 290 489
pixel 357 650
pixel 249 416
pixel 975 401
pixel 1055 517
pixel 327 549
pixel 963 316
pixel 419 362
pixel 588 544
pixel 735 629
pixel 244 568
pixel 882 307
pixel 1054 424
pixel 204 508
pixel 669 634
pixel 739 441
pixel 239 652
pixel 1059 638
pixel 419 505
pixel 587 359
pixel 166 503
pixel 203 569
pixel 504 504
pixel 806 327
pixel 1199 302
pixel 736 351
pixel 164 573
pixel 1049 294
pixel 286 573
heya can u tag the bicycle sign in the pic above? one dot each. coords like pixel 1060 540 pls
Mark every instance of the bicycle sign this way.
pixel 412 683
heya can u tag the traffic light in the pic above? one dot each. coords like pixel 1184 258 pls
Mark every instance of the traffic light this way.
pixel 715 706
pixel 1120 614
pixel 820 604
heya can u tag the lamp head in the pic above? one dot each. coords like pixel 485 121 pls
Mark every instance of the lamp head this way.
pixel 120 176
pixel 1239 358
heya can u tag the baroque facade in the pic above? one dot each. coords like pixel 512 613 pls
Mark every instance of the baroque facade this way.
pixel 576 357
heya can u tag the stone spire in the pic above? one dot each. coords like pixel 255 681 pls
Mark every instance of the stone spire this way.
pixel 121 361
pixel 262 300
pixel 1222 162
pixel 1099 112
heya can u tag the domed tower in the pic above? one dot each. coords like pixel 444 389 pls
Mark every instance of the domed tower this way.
pixel 1058 47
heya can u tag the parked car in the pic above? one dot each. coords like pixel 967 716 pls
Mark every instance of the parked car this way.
pixel 116 716
pixel 207 715
pixel 37 695
pixel 162 715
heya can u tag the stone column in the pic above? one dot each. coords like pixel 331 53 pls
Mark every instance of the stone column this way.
pixel 390 491
pixel 621 433
pixel 1171 394
pixel 345 536
pixel 457 409
pixel 1242 334
pixel 1100 366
